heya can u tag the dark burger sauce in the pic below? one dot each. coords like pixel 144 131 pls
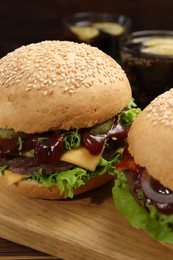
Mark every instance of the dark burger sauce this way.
pixel 94 143
pixel 8 145
pixel 49 148
pixel 153 193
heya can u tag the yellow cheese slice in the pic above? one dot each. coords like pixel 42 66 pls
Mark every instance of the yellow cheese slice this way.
pixel 12 178
pixel 82 158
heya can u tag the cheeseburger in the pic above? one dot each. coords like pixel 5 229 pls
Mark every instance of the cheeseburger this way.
pixel 143 191
pixel 64 117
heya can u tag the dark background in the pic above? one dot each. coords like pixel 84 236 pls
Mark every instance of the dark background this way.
pixel 26 21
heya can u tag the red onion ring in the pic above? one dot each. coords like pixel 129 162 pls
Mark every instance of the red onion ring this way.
pixel 152 194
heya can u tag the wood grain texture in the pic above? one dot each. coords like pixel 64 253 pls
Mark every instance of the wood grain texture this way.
pixel 10 250
pixel 88 227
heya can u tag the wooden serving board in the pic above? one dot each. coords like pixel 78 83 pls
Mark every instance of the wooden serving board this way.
pixel 88 227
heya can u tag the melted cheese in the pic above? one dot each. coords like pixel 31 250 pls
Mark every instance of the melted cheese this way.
pixel 82 158
pixel 12 178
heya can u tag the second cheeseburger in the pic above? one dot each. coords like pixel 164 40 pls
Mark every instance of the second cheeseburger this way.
pixel 64 114
pixel 143 191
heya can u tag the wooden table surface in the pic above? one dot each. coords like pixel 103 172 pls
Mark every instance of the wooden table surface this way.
pixel 10 251
pixel 69 229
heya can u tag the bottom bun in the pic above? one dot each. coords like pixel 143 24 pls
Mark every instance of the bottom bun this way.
pixel 167 245
pixel 33 189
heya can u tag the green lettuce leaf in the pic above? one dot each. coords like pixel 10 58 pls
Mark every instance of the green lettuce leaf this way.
pixel 3 168
pixel 72 140
pixel 66 181
pixel 108 166
pixel 70 180
pixel 157 225
pixel 129 114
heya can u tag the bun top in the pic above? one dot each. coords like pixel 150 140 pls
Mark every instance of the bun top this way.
pixel 55 85
pixel 151 139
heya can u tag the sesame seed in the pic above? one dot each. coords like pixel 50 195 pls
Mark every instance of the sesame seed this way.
pixel 28 89
pixel 18 80
pixel 65 89
pixel 160 110
pixel 42 65
pixel 45 92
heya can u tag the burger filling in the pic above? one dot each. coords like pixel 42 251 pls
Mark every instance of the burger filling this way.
pixel 143 200
pixel 66 158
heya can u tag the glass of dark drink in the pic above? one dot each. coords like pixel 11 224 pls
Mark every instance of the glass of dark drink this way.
pixel 147 58
pixel 102 30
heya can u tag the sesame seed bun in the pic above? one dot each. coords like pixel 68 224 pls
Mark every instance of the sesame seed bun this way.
pixel 151 139
pixel 55 85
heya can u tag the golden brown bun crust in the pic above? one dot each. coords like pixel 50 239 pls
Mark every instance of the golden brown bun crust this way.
pixel 151 139
pixel 60 85
pixel 33 189
pixel 170 246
